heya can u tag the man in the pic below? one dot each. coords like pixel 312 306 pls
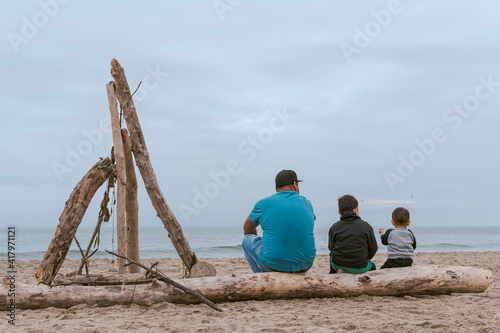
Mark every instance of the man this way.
pixel 287 220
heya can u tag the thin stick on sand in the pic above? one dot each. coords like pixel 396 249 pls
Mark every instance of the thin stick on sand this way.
pixel 168 280
pixel 84 258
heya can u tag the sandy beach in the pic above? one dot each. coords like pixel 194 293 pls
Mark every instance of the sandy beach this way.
pixel 447 313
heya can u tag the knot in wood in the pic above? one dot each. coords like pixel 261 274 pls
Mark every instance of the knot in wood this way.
pixel 364 278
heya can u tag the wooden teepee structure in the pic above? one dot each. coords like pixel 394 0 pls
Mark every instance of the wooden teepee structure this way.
pixel 127 221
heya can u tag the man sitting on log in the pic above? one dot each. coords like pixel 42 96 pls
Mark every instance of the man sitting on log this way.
pixel 287 221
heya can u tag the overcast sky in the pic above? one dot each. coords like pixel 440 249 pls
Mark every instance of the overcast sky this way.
pixel 394 102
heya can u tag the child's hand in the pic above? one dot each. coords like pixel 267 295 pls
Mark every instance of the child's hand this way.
pixel 380 231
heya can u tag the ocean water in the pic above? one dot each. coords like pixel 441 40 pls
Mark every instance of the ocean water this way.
pixel 225 242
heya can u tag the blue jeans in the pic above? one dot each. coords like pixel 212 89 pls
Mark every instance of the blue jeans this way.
pixel 252 246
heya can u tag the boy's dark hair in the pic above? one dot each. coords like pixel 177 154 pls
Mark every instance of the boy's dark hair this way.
pixel 347 203
pixel 400 216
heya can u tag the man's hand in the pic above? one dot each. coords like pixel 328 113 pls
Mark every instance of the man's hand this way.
pixel 249 227
pixel 380 231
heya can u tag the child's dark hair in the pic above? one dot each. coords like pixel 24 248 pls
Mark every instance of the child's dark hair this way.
pixel 347 203
pixel 400 216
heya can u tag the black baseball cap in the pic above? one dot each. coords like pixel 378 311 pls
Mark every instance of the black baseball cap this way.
pixel 286 177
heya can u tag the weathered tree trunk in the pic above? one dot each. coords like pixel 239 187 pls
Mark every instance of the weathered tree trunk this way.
pixel 416 280
pixel 121 178
pixel 146 168
pixel 70 219
pixel 131 206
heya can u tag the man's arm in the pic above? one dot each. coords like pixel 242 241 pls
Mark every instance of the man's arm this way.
pixel 249 227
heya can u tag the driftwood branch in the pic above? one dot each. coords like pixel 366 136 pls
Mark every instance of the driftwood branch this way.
pixel 84 258
pixel 102 283
pixel 168 280
pixel 102 279
pixel 103 217
pixel 70 219
pixel 145 166
pixel 121 176
pixel 131 204
pixel 132 95
pixel 93 252
pixel 86 254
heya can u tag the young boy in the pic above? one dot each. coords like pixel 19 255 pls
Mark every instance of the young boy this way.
pixel 400 241
pixel 351 240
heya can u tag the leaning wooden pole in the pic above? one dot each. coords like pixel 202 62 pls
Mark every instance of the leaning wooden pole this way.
pixel 131 205
pixel 70 219
pixel 415 280
pixel 143 162
pixel 121 178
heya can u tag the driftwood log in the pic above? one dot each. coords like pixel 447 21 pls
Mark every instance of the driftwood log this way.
pixel 70 219
pixel 145 166
pixel 131 205
pixel 415 280
pixel 121 177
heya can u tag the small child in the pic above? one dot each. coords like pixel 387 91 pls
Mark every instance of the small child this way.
pixel 351 240
pixel 400 241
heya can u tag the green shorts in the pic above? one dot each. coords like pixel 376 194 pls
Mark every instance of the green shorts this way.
pixel 353 270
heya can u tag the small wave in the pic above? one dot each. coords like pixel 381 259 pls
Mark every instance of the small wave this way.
pixel 220 251
pixel 452 245
pixel 33 255
pixel 228 247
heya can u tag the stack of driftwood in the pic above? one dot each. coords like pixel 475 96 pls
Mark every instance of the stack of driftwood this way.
pixel 122 169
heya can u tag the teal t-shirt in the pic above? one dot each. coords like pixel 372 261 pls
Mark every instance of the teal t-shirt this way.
pixel 287 220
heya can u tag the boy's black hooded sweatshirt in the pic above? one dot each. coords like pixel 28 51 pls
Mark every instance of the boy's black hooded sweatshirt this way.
pixel 351 241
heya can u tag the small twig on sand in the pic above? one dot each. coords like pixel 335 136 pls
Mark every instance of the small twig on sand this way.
pixel 153 265
pixel 84 259
pixel 168 280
